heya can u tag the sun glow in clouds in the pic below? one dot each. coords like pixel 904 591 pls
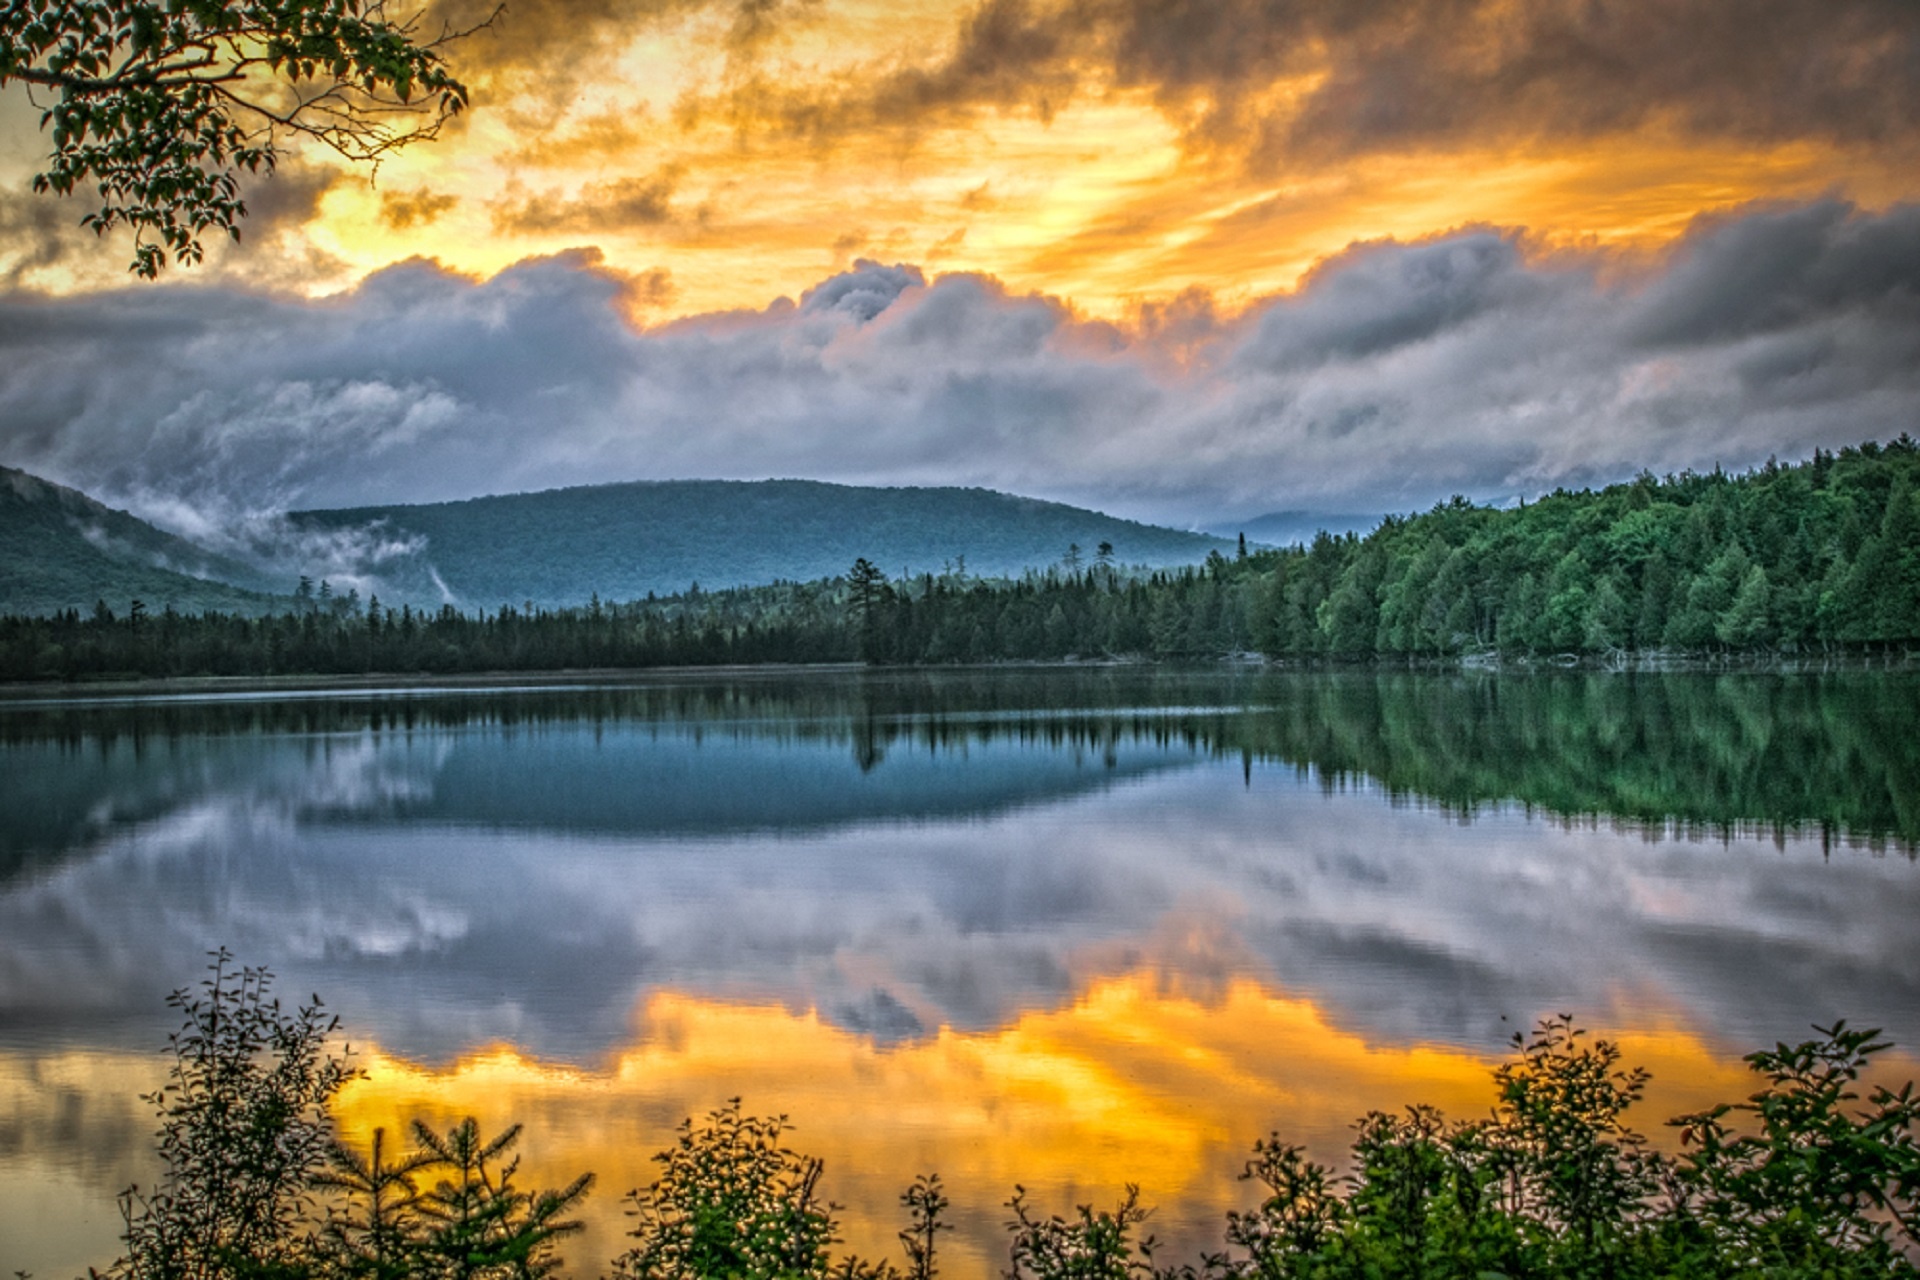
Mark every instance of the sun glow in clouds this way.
pixel 732 152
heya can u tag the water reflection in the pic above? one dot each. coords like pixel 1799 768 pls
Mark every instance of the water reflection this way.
pixel 1073 928
pixel 1783 755
pixel 1134 1080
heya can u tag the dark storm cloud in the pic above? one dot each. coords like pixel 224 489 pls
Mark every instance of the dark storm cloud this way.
pixel 1776 271
pixel 1006 53
pixel 1764 70
pixel 1398 374
pixel 287 200
pixel 1403 73
pixel 1372 301
pixel 544 50
pixel 757 23
pixel 42 231
pixel 863 292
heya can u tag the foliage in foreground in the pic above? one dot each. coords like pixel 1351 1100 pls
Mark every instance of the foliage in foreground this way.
pixel 1806 1178
pixel 160 107
pixel 257 1187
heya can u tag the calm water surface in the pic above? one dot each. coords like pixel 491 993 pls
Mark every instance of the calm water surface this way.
pixel 1070 929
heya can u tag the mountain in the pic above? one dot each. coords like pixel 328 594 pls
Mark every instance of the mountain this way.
pixel 60 549
pixel 621 541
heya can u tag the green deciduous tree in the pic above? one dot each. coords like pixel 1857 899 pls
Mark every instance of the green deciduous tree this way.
pixel 160 105
pixel 1299 1213
pixel 1562 1103
pixel 1607 621
pixel 1746 620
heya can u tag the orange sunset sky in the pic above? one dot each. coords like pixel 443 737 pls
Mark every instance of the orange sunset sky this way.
pixel 1111 154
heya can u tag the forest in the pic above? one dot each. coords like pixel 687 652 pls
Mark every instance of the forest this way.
pixel 1818 558
pixel 1813 1175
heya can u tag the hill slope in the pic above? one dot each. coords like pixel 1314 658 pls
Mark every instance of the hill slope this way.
pixel 60 549
pixel 1297 528
pixel 623 540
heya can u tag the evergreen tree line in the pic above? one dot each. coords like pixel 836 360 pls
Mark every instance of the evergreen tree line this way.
pixel 779 623
pixel 1811 1176
pixel 1818 557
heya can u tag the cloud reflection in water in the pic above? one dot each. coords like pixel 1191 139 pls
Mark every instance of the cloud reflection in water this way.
pixel 1068 958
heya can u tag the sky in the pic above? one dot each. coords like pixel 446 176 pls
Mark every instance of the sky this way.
pixel 1186 262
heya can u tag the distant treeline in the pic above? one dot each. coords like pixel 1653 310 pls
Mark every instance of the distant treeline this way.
pixel 1814 557
pixel 343 637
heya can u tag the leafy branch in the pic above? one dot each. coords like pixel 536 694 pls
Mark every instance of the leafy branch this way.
pixel 160 105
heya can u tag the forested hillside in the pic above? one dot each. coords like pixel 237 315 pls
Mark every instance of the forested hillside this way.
pixel 1825 552
pixel 59 549
pixel 623 541
pixel 1817 558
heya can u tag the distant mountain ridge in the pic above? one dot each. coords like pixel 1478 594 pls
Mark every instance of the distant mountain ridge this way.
pixel 1290 528
pixel 622 541
pixel 60 549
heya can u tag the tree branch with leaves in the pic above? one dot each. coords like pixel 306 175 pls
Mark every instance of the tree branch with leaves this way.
pixel 161 105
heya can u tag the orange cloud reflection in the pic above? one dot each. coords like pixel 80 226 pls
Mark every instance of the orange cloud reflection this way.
pixel 1132 1083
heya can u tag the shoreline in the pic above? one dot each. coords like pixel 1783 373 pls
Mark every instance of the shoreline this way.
pixel 48 692
pixel 41 692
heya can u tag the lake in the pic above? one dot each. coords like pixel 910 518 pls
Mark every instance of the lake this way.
pixel 1069 928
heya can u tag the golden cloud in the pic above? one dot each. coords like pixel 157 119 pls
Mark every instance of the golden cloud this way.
pixel 1114 152
pixel 620 204
pixel 401 210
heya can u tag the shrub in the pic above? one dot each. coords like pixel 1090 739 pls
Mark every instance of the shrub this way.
pixel 243 1130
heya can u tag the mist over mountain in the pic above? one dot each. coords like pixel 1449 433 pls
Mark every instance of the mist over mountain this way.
pixel 1286 528
pixel 621 541
pixel 60 549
